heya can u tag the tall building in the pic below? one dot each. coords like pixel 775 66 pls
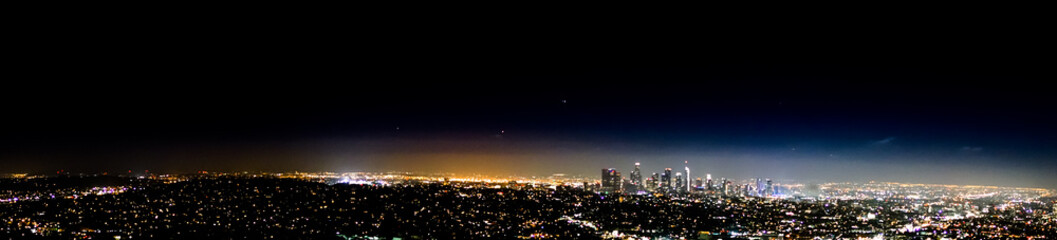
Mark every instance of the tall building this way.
pixel 610 180
pixel 769 190
pixel 666 179
pixel 725 186
pixel 651 183
pixel 759 187
pixel 656 181
pixel 708 180
pixel 685 165
pixel 636 178
pixel 698 183
pixel 680 182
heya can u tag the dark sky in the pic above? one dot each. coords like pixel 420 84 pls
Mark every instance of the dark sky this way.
pixel 966 114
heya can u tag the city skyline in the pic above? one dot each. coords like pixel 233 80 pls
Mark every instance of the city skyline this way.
pixel 277 126
pixel 248 123
pixel 628 179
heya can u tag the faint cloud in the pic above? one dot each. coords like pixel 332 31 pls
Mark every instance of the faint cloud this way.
pixel 885 141
pixel 972 149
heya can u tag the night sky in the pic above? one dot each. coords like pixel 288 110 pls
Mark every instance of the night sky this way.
pixel 961 118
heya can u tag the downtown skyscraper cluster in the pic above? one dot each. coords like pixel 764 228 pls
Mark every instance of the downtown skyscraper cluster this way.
pixel 680 182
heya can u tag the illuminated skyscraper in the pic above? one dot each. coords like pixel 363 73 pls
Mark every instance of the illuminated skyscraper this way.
pixel 680 182
pixel 725 185
pixel 652 182
pixel 687 175
pixel 666 179
pixel 769 191
pixel 759 187
pixel 708 180
pixel 636 179
pixel 610 180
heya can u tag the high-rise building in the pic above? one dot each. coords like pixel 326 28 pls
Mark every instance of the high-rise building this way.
pixel 708 180
pixel 685 165
pixel 611 180
pixel 655 182
pixel 698 183
pixel 651 183
pixel 680 182
pixel 769 190
pixel 725 185
pixel 666 179
pixel 636 179
pixel 759 187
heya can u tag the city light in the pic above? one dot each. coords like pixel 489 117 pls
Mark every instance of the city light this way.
pixel 558 206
